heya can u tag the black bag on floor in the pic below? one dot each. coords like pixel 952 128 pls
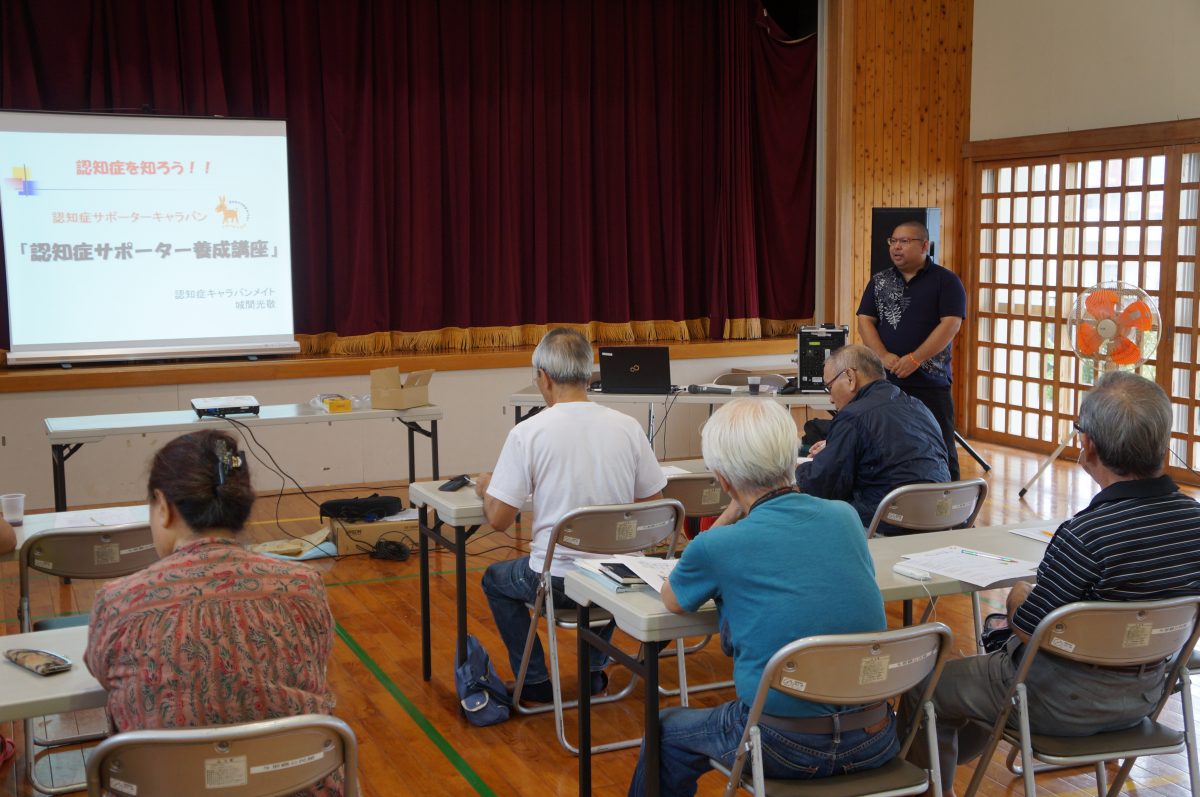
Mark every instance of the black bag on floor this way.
pixel 995 632
pixel 359 510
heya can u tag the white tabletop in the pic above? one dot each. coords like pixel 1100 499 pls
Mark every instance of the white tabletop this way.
pixel 459 508
pixel 25 694
pixel 641 613
pixel 887 551
pixel 463 508
pixel 530 397
pixel 690 465
pixel 91 428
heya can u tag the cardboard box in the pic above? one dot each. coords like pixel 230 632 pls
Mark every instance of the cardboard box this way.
pixel 355 538
pixel 389 392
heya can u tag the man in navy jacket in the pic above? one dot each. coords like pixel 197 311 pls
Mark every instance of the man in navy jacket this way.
pixel 881 439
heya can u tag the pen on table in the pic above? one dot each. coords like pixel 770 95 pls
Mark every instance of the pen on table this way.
pixel 969 552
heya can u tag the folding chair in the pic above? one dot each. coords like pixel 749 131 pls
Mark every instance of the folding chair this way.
pixel 850 669
pixel 254 759
pixel 85 553
pixel 614 529
pixel 935 506
pixel 701 496
pixel 1106 634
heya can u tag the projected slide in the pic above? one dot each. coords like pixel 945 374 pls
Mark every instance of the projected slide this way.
pixel 134 237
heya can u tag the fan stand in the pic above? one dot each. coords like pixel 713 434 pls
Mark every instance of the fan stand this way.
pixel 1068 440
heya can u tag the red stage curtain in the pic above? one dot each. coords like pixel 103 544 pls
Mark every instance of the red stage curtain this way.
pixel 482 163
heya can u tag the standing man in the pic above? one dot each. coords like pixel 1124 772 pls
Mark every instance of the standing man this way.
pixel 909 314
pixel 573 453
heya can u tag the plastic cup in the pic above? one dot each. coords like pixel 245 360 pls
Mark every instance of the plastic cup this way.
pixel 754 383
pixel 13 507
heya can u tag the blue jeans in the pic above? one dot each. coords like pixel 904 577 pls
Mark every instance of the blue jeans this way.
pixel 691 736
pixel 511 584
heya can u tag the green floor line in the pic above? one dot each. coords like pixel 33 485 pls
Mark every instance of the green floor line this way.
pixel 424 724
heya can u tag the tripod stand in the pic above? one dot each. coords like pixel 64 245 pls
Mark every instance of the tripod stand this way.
pixel 974 454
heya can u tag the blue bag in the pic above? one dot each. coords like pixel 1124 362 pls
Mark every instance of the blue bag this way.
pixel 481 693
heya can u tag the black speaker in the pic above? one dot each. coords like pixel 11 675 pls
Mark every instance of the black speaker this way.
pixel 884 222
pixel 813 345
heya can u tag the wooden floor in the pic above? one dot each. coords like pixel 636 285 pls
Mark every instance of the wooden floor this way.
pixel 412 740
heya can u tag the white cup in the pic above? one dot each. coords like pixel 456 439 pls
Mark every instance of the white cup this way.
pixel 13 506
pixel 754 382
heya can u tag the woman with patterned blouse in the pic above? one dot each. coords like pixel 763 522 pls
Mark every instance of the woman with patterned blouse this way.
pixel 211 634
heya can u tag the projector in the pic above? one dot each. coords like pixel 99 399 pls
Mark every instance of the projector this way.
pixel 220 406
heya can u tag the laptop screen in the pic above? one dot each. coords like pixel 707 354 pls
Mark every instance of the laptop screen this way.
pixel 635 369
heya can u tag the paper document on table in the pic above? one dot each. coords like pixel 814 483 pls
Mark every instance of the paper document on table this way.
pixel 1041 535
pixel 652 570
pixel 972 566
pixel 109 516
pixel 673 470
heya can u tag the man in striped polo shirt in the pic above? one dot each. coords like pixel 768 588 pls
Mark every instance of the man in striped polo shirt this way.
pixel 1139 539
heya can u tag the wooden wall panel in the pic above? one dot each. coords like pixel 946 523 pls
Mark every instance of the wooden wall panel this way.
pixel 908 117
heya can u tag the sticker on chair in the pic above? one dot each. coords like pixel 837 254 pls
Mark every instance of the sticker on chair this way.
pixel 1137 635
pixel 873 669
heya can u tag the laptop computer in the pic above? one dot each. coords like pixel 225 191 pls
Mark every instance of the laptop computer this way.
pixel 635 369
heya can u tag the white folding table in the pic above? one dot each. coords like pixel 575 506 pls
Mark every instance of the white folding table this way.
pixel 462 511
pixel 642 615
pixel 528 401
pixel 24 694
pixel 67 435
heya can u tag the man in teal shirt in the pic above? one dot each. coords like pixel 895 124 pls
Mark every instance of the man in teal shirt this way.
pixel 792 566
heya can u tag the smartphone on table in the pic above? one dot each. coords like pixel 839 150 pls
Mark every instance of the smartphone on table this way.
pixel 42 662
pixel 621 573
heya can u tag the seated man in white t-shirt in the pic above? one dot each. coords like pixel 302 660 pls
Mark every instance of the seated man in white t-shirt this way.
pixel 573 453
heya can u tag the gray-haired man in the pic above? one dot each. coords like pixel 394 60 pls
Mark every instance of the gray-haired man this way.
pixel 572 454
pixel 1139 539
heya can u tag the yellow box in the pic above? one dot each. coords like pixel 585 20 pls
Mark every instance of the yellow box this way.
pixel 389 392
pixel 355 538
pixel 337 405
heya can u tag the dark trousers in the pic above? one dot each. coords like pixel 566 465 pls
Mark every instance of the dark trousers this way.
pixel 941 404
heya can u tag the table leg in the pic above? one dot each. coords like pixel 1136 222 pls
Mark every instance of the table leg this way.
pixel 59 454
pixel 423 556
pixel 433 445
pixel 585 702
pixel 412 455
pixel 460 588
pixel 652 731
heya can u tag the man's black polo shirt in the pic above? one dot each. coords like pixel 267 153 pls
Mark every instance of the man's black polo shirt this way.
pixel 1136 540
pixel 909 311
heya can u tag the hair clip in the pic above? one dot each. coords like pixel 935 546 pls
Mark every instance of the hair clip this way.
pixel 227 461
